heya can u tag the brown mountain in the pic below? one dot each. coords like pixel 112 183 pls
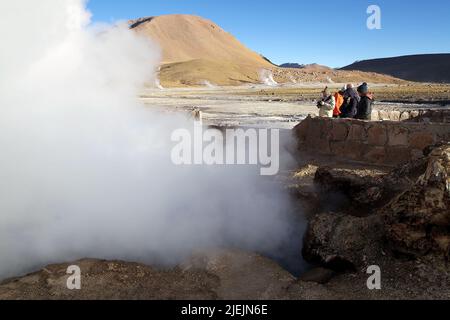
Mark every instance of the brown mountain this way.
pixel 187 37
pixel 421 68
pixel 196 51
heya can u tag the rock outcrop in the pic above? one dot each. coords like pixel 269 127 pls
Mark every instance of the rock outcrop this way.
pixel 352 190
pixel 343 242
pixel 418 220
pixel 411 215
pixel 361 192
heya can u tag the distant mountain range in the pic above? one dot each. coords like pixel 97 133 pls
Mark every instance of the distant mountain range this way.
pixel 292 65
pixel 420 68
pixel 312 66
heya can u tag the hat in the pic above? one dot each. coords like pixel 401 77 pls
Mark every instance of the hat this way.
pixel 364 88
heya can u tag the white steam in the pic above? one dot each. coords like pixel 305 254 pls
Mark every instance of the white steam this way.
pixel 208 84
pixel 157 81
pixel 85 169
pixel 266 77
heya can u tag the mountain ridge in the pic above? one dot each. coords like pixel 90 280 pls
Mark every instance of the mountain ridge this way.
pixel 418 67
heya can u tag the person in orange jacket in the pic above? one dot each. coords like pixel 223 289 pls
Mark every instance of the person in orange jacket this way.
pixel 339 97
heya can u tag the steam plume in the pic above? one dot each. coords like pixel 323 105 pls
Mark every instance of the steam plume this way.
pixel 85 168
pixel 266 77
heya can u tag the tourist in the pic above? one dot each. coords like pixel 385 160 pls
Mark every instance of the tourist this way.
pixel 365 104
pixel 339 97
pixel 351 99
pixel 327 104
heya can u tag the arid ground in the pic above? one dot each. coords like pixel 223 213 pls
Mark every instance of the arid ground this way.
pixel 283 106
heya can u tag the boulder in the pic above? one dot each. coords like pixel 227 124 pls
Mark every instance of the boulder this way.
pixel 342 242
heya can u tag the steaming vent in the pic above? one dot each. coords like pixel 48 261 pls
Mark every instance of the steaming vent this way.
pixel 86 168
pixel 266 77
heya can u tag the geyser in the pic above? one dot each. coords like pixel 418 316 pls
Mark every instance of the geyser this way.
pixel 85 168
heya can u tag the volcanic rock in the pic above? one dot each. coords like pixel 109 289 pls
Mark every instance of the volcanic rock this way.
pixel 418 220
pixel 221 274
pixel 343 242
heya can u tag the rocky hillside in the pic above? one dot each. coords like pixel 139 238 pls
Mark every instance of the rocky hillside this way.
pixel 317 73
pixel 421 68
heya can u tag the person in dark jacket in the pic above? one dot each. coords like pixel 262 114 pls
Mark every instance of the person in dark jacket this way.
pixel 365 104
pixel 351 99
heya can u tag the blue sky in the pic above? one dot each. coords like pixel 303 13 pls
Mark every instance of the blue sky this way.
pixel 329 32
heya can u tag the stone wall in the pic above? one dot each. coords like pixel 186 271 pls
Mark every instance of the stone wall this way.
pixel 423 115
pixel 376 142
